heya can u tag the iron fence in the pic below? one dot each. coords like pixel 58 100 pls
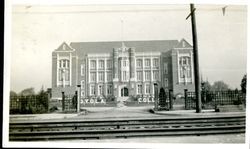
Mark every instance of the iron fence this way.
pixel 32 104
pixel 210 100
pixel 69 103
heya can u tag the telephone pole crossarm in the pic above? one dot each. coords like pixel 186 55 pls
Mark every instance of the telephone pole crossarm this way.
pixel 190 13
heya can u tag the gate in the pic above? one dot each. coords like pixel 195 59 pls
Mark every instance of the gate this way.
pixel 69 102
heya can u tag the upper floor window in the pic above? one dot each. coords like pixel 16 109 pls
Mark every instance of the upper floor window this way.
pixel 101 76
pixel 139 63
pixel 64 63
pixel 147 75
pixel 184 60
pixel 82 69
pixel 155 62
pixel 109 64
pixel 101 64
pixel 185 67
pixel 125 75
pixel 63 75
pixel 165 68
pixel 109 76
pixel 156 75
pixel 147 62
pixel 92 77
pixel 139 75
pixel 93 64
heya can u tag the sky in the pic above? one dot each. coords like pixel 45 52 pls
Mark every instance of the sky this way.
pixel 37 30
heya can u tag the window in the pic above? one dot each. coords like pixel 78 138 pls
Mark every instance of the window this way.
pixel 100 90
pixel 101 64
pixel 64 63
pixel 92 90
pixel 82 69
pixel 185 67
pixel 109 76
pixel 82 93
pixel 101 76
pixel 166 82
pixel 61 74
pixel 64 74
pixel 124 75
pixel 147 62
pixel 147 75
pixel 82 84
pixel 155 62
pixel 124 63
pixel 92 64
pixel 139 89
pixel 139 75
pixel 155 75
pixel 92 77
pixel 109 64
pixel 109 89
pixel 139 63
pixel 147 88
pixel 165 68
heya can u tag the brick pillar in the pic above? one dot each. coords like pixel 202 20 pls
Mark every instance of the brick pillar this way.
pixel 63 101
pixel 170 99
pixel 186 102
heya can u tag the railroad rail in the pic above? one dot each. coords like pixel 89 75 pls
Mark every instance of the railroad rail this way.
pixel 123 128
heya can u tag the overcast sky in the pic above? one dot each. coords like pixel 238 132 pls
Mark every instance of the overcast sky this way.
pixel 38 30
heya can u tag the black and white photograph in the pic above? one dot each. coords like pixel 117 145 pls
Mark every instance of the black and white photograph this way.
pixel 113 75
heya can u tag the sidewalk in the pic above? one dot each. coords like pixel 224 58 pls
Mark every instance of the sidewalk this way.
pixel 94 113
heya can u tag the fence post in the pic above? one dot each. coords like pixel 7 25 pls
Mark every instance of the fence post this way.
pixel 186 101
pixel 63 101
pixel 170 99
pixel 78 98
pixel 76 102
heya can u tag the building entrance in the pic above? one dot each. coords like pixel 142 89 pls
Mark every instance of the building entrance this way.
pixel 124 92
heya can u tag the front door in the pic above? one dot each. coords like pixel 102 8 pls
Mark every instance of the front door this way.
pixel 124 92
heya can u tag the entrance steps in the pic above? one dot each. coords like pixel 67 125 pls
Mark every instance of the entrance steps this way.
pixel 121 101
pixel 120 104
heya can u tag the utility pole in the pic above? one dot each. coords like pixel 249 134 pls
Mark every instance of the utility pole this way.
pixel 196 59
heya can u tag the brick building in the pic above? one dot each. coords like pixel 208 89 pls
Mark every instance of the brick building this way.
pixel 122 68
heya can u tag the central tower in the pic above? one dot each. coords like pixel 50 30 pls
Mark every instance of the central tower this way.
pixel 124 71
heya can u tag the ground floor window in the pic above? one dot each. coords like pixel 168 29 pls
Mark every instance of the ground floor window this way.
pixel 100 90
pixel 139 89
pixel 92 90
pixel 109 89
pixel 147 88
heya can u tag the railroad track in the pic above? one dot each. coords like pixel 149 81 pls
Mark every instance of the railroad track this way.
pixel 123 128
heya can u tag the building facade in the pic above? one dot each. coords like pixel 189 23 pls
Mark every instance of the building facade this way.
pixel 122 69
